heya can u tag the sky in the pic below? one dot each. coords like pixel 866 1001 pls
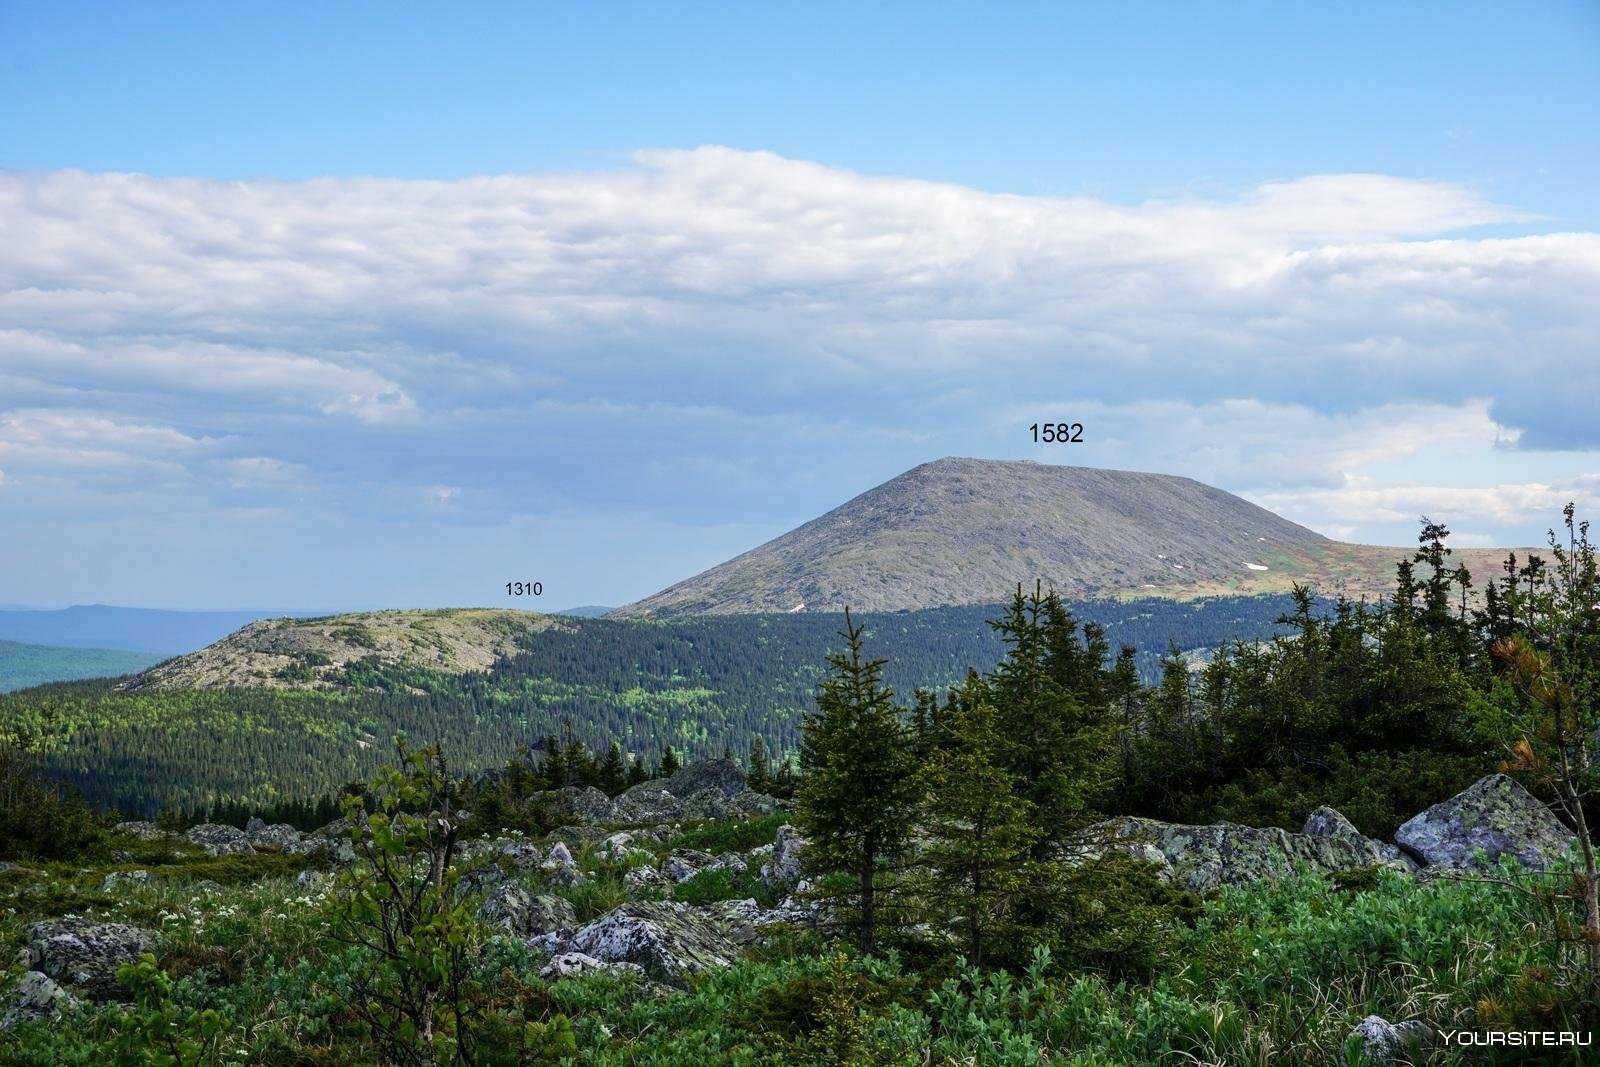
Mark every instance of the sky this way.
pixel 390 305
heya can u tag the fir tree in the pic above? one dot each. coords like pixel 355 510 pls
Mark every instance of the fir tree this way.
pixel 858 795
pixel 669 763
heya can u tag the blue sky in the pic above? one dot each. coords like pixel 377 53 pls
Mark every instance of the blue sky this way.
pixel 383 304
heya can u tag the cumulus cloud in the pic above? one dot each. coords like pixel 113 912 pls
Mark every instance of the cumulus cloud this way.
pixel 735 334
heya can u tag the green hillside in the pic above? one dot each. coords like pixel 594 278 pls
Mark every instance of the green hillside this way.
pixel 23 665
pixel 696 684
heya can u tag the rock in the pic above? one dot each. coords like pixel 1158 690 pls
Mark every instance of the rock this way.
pixel 715 804
pixel 35 996
pixel 667 939
pixel 573 964
pixel 587 804
pixel 1327 822
pixel 1224 853
pixel 685 863
pixel 1382 1042
pixel 647 802
pixel 491 861
pixel 1493 817
pixel 515 910
pixel 144 831
pixel 560 856
pixel 645 877
pixel 331 843
pixel 560 868
pixel 783 868
pixel 723 775
pixel 314 881
pixel 616 846
pixel 710 784
pixel 278 837
pixel 744 920
pixel 118 879
pixel 85 953
pixel 219 840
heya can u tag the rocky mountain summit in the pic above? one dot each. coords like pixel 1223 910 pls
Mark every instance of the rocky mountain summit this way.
pixel 313 653
pixel 966 531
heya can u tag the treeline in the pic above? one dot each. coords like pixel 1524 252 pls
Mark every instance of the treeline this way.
pixel 697 685
pixel 981 810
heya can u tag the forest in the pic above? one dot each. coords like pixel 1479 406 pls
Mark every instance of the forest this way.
pixel 698 685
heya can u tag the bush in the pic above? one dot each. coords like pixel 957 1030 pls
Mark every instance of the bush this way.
pixel 41 821
pixel 718 837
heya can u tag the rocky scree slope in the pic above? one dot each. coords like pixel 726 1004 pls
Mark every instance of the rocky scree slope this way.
pixel 313 653
pixel 966 531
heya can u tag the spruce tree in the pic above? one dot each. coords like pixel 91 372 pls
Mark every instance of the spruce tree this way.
pixel 759 775
pixel 857 798
pixel 613 773
pixel 669 763
pixel 978 839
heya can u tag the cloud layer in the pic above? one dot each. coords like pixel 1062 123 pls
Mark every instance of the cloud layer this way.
pixel 717 334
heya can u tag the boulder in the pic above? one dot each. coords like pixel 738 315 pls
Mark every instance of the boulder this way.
pixel 646 877
pixel 493 860
pixel 218 840
pixel 331 843
pixel 744 920
pixel 120 879
pixel 709 784
pixel 86 953
pixel 1382 1042
pixel 514 909
pixel 668 940
pixel 573 964
pixel 277 837
pixel 648 802
pixel 1493 817
pixel 35 996
pixel 581 805
pixel 1224 853
pixel 144 831
pixel 1328 822
pixel 713 803
pixel 560 868
pixel 782 869
pixel 685 863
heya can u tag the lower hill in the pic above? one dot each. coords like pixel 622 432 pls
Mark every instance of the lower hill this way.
pixel 291 709
pixel 23 665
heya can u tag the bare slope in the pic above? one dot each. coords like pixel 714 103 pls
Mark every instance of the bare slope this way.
pixel 966 531
pixel 310 653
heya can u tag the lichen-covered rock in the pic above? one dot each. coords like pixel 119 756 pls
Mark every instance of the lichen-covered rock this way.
pixel 713 803
pixel 490 861
pixel 573 964
pixel 35 996
pixel 723 775
pixel 646 877
pixel 709 784
pixel 85 953
pixel 669 940
pixel 1329 822
pixel 218 840
pixel 1381 1042
pixel 587 804
pixel 745 920
pixel 782 869
pixel 648 802
pixel 122 879
pixel 1224 853
pixel 685 863
pixel 1493 817
pixel 144 831
pixel 560 868
pixel 514 909
pixel 276 837
pixel 331 843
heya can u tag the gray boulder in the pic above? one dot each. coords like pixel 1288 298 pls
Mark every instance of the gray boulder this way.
pixel 492 861
pixel 1493 817
pixel 144 831
pixel 574 964
pixel 1383 1042
pixel 710 785
pixel 85 953
pixel 587 804
pixel 218 840
pixel 1328 822
pixel 1224 853
pixel 514 909
pixel 276 837
pixel 713 803
pixel 685 863
pixel 35 997
pixel 331 843
pixel 668 940
pixel 646 877
pixel 560 868
pixel 121 879
pixel 782 868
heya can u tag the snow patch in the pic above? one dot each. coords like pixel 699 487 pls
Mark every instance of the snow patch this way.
pixel 1255 566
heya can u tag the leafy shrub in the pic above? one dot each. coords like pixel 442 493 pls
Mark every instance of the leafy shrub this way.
pixel 711 886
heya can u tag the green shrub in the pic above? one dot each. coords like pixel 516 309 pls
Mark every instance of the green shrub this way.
pixel 718 837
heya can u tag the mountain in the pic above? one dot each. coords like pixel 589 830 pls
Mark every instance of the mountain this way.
pixel 966 531
pixel 22 665
pixel 315 653
pixel 586 611
pixel 164 633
